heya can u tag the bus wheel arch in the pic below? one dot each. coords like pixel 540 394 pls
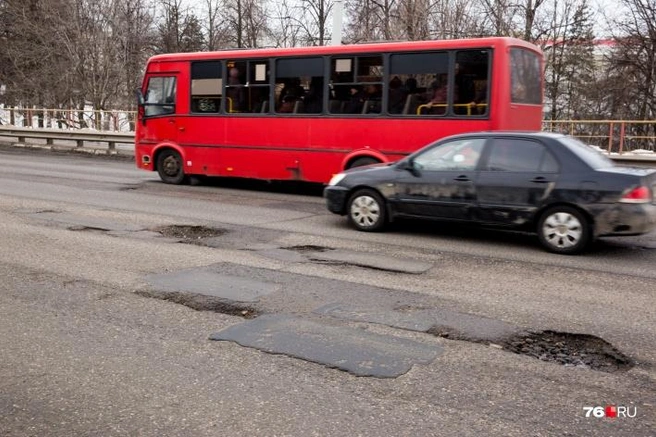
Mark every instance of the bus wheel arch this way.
pixel 362 160
pixel 169 164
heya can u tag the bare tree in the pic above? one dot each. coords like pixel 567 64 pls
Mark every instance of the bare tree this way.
pixel 285 30
pixel 634 60
pixel 216 27
pixel 179 30
pixel 501 15
pixel 135 34
pixel 413 19
pixel 450 19
pixel 313 21
pixel 364 23
pixel 247 22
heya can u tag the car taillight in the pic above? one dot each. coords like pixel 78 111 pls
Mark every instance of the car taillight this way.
pixel 640 194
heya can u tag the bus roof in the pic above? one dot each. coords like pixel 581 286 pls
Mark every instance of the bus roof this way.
pixel 347 49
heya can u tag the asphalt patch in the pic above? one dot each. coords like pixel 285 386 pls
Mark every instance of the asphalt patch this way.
pixel 356 351
pixel 571 350
pixel 210 281
pixel 439 322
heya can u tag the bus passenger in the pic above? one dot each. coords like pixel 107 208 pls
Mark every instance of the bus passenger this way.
pixel 437 95
pixel 292 90
pixel 314 98
pixel 355 102
pixel 397 96
pixel 235 92
pixel 465 91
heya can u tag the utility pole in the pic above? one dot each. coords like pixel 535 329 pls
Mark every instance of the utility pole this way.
pixel 338 10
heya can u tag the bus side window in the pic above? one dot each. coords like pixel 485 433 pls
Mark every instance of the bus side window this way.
pixel 206 86
pixel 357 82
pixel 471 81
pixel 411 88
pixel 299 85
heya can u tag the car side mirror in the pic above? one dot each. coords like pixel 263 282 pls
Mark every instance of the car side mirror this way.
pixel 408 165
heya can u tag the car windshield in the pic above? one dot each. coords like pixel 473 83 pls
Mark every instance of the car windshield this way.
pixel 588 154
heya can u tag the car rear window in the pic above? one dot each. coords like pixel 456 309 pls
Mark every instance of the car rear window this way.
pixel 589 155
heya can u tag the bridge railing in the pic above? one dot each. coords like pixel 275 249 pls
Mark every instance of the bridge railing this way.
pixel 613 136
pixel 69 119
pixel 113 143
pixel 82 140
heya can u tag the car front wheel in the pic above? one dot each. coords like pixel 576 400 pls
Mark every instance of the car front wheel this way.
pixel 366 210
pixel 563 229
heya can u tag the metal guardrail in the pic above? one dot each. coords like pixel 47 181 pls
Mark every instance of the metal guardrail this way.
pixel 18 136
pixel 80 137
pixel 613 136
pixel 69 119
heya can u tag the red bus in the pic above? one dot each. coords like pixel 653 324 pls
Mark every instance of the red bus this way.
pixel 308 113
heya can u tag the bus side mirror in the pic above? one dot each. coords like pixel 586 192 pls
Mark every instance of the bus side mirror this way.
pixel 141 102
pixel 140 97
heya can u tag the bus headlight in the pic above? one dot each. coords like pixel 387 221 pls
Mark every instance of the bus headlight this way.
pixel 336 179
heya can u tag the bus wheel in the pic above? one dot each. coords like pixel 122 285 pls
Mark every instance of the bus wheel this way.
pixel 366 210
pixel 365 160
pixel 169 167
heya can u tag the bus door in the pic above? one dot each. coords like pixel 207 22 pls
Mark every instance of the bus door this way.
pixel 157 121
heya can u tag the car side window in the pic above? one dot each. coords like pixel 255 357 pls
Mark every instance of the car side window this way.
pixel 549 163
pixel 517 155
pixel 452 156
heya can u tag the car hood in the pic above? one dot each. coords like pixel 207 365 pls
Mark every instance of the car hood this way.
pixel 370 173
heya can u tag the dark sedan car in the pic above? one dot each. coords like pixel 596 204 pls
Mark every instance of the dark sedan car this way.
pixel 551 184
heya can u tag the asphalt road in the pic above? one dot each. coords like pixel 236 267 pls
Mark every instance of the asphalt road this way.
pixel 130 307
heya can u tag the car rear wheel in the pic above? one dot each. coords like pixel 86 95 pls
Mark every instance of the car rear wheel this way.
pixel 563 229
pixel 366 210
pixel 169 167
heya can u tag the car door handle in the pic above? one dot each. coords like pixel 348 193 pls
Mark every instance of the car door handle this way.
pixel 540 180
pixel 462 178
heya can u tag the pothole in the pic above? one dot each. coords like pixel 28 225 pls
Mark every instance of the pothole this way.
pixel 82 228
pixel 570 350
pixel 200 302
pixel 189 234
pixel 309 248
pixel 411 308
pixel 449 333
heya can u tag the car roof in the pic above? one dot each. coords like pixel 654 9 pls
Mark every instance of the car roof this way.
pixel 522 134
